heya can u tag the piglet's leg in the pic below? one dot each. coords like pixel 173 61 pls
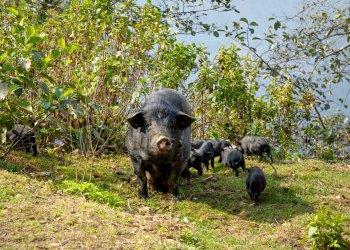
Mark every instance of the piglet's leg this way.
pixel 212 162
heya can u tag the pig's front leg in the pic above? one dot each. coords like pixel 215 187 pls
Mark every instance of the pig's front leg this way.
pixel 139 170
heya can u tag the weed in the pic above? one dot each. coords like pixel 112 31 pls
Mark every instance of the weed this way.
pixel 13 168
pixel 326 230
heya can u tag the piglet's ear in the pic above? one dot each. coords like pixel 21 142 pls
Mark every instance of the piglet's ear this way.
pixel 137 120
pixel 184 120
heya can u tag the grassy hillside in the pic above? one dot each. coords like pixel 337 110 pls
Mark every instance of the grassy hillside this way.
pixel 50 202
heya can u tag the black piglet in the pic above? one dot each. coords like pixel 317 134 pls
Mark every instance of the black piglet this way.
pixel 255 183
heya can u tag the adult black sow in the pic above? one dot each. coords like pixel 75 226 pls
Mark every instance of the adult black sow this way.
pixel 158 141
pixel 255 183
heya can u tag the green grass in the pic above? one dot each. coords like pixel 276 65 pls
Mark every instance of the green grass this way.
pixel 73 202
pixel 92 192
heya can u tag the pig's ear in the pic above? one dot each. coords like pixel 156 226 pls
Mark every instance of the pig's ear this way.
pixel 137 120
pixel 184 120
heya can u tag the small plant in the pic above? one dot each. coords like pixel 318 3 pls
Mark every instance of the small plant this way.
pixel 13 168
pixel 189 238
pixel 326 231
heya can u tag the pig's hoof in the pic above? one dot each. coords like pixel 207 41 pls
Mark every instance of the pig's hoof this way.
pixel 143 195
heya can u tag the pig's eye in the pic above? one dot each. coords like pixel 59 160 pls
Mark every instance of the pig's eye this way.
pixel 173 126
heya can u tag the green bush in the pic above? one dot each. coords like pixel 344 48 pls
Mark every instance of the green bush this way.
pixel 327 154
pixel 326 231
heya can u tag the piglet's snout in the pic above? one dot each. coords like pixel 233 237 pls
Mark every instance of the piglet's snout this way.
pixel 164 144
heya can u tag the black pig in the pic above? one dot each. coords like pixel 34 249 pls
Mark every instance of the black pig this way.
pixel 24 138
pixel 255 183
pixel 255 145
pixel 233 158
pixel 158 141
pixel 197 144
pixel 202 156
pixel 219 146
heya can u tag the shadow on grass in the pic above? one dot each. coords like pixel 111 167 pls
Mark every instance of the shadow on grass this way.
pixel 227 193
pixel 77 176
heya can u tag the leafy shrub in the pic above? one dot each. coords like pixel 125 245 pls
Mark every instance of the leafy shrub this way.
pixel 327 154
pixel 326 231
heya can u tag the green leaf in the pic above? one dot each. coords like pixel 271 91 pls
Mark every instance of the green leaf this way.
pixel 206 26
pixel 55 53
pixel 216 34
pixel 61 43
pixel 26 106
pixel 243 19
pixel 7 68
pixel 46 105
pixel 254 24
pixel 58 93
pixel 37 56
pixel 277 25
pixel 30 31
pixel 34 40
pixel 3 56
pixel 269 40
pixel 13 10
pixel 335 245
pixel 68 92
pixel 73 47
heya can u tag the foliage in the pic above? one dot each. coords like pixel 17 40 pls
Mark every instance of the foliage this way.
pixel 76 84
pixel 222 96
pixel 304 56
pixel 312 56
pixel 79 82
pixel 326 231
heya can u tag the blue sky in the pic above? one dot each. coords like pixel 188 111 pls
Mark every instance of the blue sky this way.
pixel 254 10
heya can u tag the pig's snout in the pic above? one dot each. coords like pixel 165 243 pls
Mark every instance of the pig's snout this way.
pixel 164 144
